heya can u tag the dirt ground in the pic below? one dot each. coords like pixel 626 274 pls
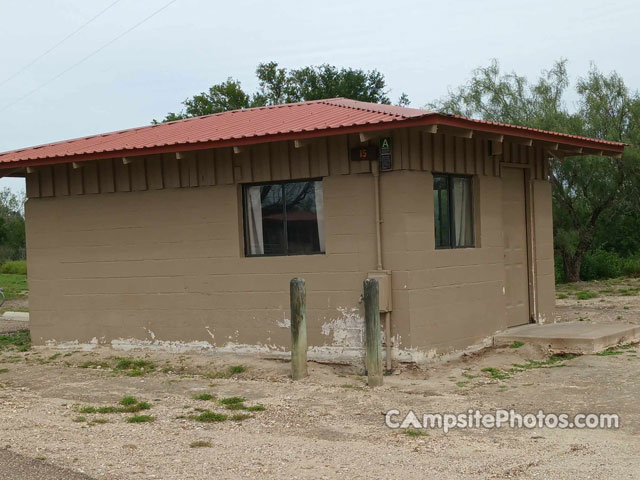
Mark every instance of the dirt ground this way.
pixel 329 425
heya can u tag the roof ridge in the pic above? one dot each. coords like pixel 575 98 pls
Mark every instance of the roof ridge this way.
pixel 330 101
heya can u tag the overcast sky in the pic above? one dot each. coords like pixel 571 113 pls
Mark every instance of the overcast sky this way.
pixel 422 48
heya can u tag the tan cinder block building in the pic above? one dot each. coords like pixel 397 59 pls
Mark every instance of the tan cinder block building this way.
pixel 185 235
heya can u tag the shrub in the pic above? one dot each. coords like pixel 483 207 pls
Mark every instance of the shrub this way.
pixel 601 264
pixel 18 267
pixel 631 266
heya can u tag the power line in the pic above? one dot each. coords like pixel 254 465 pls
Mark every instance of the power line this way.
pixel 46 52
pixel 84 59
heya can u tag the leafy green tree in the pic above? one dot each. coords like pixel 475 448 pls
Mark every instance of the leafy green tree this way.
pixel 12 227
pixel 278 85
pixel 587 190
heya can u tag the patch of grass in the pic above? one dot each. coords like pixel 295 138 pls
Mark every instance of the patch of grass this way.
pixel 516 344
pixel 200 444
pixel 126 401
pixel 235 406
pixel 209 417
pixel 552 361
pixel 203 396
pixel 238 417
pixel 228 373
pixel 469 376
pixel 231 400
pixel 20 341
pixel 54 356
pixel 100 421
pixel 562 296
pixel 128 406
pixel 461 384
pixel 94 364
pixel 4 370
pixel 628 292
pixel 609 352
pixel 137 407
pixel 496 373
pixel 133 367
pixel 256 408
pixel 586 295
pixel 80 419
pixel 412 432
pixel 139 419
pixel 13 285
pixel 354 387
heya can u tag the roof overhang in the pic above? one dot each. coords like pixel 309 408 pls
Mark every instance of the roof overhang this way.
pixel 558 145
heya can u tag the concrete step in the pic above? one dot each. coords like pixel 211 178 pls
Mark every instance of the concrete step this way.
pixel 571 337
pixel 16 316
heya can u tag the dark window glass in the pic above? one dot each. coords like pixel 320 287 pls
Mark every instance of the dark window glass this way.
pixel 284 218
pixel 453 211
pixel 441 210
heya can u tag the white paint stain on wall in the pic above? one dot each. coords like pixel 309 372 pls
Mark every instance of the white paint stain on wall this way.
pixel 347 329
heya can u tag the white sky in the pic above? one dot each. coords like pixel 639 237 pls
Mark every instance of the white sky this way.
pixel 422 48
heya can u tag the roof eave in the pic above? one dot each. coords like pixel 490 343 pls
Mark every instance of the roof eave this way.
pixel 606 149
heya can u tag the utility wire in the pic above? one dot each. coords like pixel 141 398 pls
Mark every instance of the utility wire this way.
pixel 45 53
pixel 84 59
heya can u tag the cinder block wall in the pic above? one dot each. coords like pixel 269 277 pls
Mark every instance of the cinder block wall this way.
pixel 154 252
pixel 453 297
pixel 168 265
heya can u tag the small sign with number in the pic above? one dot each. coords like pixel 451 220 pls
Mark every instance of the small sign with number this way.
pixel 386 160
pixel 364 153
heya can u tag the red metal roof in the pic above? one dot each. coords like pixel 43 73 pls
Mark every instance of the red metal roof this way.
pixel 264 124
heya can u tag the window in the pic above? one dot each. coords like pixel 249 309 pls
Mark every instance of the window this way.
pixel 453 211
pixel 284 218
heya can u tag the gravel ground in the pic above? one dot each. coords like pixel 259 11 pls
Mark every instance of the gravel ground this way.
pixel 19 467
pixel 326 426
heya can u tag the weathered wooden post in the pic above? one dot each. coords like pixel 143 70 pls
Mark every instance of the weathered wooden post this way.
pixel 298 329
pixel 373 343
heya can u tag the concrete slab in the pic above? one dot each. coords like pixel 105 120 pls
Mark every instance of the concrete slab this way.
pixel 16 316
pixel 571 337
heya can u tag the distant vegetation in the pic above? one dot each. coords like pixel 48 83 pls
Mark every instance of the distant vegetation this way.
pixel 596 213
pixel 12 231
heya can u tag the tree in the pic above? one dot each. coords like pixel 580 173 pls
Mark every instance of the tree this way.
pixel 12 227
pixel 278 85
pixel 586 189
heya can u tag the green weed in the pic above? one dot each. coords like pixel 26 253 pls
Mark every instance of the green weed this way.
pixel 496 373
pixel 20 341
pixel 209 417
pixel 139 419
pixel 412 432
pixel 200 444
pixel 586 295
pixel 238 417
pixel 231 400
pixel 203 396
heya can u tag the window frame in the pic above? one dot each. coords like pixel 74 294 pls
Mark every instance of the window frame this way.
pixel 450 177
pixel 245 187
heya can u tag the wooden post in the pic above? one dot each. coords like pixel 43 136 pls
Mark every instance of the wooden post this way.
pixel 373 344
pixel 298 329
